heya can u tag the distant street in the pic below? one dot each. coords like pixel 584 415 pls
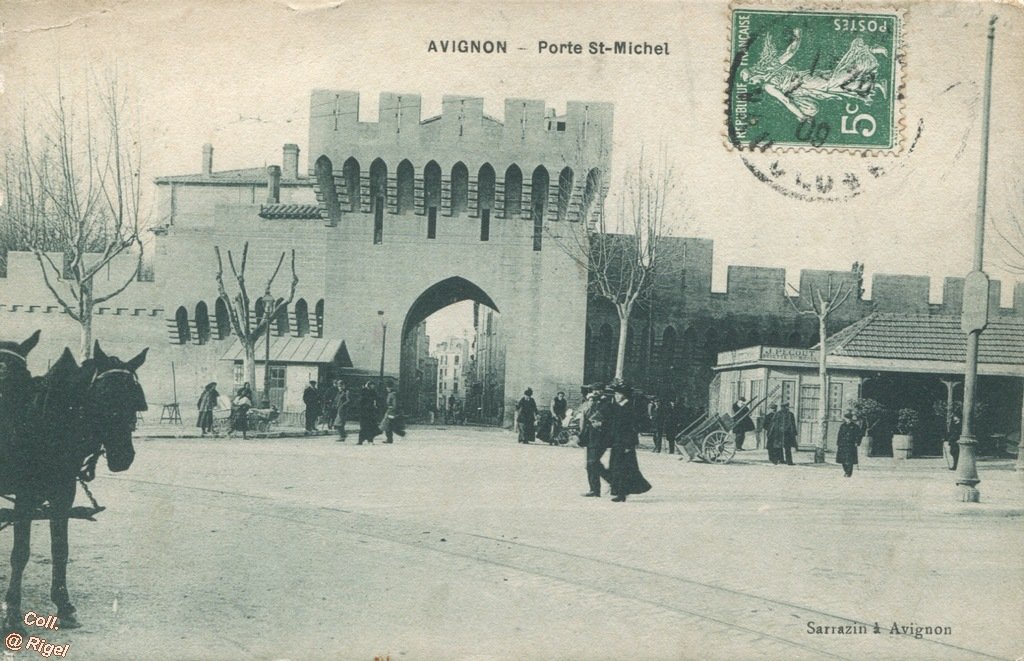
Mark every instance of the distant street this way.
pixel 460 543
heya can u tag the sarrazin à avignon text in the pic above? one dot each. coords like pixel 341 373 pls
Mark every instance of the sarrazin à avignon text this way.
pixel 492 47
pixel 897 629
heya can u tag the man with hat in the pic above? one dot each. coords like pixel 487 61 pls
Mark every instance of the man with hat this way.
pixel 594 413
pixel 783 432
pixel 772 440
pixel 311 398
pixel 850 434
pixel 624 437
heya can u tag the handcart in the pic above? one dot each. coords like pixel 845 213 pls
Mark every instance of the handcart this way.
pixel 710 437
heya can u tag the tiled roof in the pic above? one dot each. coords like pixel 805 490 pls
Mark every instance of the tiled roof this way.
pixel 303 350
pixel 896 336
pixel 290 211
pixel 246 176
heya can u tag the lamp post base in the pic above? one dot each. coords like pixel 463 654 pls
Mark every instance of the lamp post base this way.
pixel 965 493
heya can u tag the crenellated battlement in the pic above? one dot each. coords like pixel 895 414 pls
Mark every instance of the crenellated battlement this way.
pixel 533 165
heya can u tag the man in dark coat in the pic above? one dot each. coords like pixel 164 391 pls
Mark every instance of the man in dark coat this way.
pixel 666 423
pixel 595 414
pixel 390 423
pixel 773 441
pixel 741 418
pixel 206 404
pixel 783 432
pixel 526 417
pixel 311 398
pixel 850 434
pixel 340 406
pixel 624 436
pixel 368 416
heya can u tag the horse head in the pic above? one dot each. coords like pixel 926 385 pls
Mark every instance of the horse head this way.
pixel 14 363
pixel 113 397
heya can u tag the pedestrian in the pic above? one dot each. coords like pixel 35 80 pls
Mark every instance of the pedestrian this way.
pixel 311 398
pixel 206 404
pixel 368 416
pixel 449 411
pixel 624 436
pixel 741 421
pixel 559 405
pixel 595 412
pixel 784 425
pixel 772 439
pixel 665 417
pixel 240 406
pixel 850 434
pixel 341 402
pixel 389 422
pixel 526 417
pixel 952 438
pixel 328 394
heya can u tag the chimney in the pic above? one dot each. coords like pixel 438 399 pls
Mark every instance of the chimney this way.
pixel 290 161
pixel 273 184
pixel 207 159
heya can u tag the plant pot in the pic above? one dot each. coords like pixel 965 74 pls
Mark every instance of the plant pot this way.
pixel 902 446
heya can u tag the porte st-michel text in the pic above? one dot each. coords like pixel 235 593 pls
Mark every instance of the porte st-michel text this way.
pixel 499 47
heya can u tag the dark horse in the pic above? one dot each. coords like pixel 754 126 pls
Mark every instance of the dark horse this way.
pixel 53 430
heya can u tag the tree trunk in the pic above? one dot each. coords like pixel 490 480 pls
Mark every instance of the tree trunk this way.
pixel 85 312
pixel 819 450
pixel 620 355
pixel 250 365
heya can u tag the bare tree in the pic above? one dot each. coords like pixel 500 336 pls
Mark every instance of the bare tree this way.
pixel 71 187
pixel 246 327
pixel 822 304
pixel 623 266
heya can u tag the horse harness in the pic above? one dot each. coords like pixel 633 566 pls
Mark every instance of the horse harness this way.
pixel 86 473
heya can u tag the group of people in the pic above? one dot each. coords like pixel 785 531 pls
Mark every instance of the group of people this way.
pixel 375 417
pixel 241 404
pixel 531 423
pixel 611 419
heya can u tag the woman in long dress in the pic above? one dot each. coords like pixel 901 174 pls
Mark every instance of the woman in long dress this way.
pixel 625 436
pixel 368 416
pixel 526 417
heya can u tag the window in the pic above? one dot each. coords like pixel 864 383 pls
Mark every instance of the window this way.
pixel 350 173
pixel 238 375
pixel 432 223
pixel 456 360
pixel 406 187
pixel 513 191
pixel 276 376
pixel 202 323
pixel 223 319
pixel 181 319
pixel 301 318
pixel 460 188
pixel 378 184
pixel 809 397
pixel 835 401
pixel 565 183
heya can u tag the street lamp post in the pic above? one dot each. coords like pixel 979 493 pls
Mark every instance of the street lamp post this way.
pixel 383 343
pixel 268 308
pixel 975 306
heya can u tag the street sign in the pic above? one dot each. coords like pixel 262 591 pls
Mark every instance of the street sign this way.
pixel 975 304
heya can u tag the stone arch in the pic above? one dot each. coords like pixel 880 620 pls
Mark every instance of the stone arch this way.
pixel 485 188
pixel 324 171
pixel 406 183
pixel 301 317
pixel 223 317
pixel 378 185
pixel 202 323
pixel 460 188
pixel 690 343
pixel 281 325
pixel 432 185
pixel 565 184
pixel 591 192
pixel 181 320
pixel 441 295
pixel 351 174
pixel 513 191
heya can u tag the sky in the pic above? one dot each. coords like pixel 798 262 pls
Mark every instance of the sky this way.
pixel 239 74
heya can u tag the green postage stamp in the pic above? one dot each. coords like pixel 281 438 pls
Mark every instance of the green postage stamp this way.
pixel 816 80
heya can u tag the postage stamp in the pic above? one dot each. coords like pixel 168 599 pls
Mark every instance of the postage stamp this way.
pixel 814 80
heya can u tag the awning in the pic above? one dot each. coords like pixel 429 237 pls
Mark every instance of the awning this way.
pixel 295 350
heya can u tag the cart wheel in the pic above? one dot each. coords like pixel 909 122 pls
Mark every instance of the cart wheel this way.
pixel 719 447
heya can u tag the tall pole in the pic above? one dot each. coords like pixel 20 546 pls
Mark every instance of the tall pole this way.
pixel 975 315
pixel 268 302
pixel 383 343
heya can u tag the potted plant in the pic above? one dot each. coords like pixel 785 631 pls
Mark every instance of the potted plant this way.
pixel 907 421
pixel 870 412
